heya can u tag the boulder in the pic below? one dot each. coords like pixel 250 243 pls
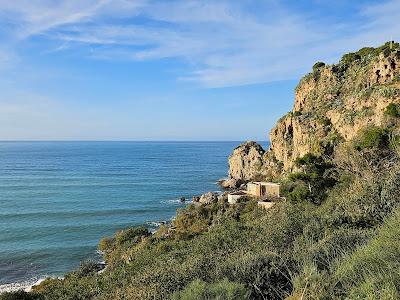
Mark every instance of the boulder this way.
pixel 207 198
pixel 195 198
pixel 230 183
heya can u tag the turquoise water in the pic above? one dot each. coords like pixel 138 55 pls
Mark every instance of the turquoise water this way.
pixel 59 198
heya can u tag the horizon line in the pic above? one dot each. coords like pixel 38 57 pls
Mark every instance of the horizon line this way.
pixel 138 141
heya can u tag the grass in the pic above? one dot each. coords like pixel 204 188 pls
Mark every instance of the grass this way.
pixel 221 290
pixel 373 270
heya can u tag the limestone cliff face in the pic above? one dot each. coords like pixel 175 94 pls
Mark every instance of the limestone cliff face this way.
pixel 246 161
pixel 331 105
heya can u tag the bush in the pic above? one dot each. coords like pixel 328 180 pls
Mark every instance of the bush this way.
pixel 297 113
pixel 366 51
pixel 373 271
pixel 19 295
pixel 221 290
pixel 373 137
pixel 349 58
pixel 296 191
pixel 318 65
pixel 88 267
pixel 393 110
pixel 131 235
pixel 387 48
pixel 106 244
pixel 312 182
pixel 365 203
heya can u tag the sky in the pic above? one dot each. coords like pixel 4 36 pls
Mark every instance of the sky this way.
pixel 169 70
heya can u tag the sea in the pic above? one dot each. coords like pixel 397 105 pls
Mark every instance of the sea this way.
pixel 58 199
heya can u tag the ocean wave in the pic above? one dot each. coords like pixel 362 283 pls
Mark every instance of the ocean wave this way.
pixel 175 201
pixel 99 252
pixel 22 285
pixel 155 224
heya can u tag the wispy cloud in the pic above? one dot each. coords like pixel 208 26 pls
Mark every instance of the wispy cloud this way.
pixel 224 42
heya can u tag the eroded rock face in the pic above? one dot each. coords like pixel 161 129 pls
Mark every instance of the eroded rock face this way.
pixel 385 69
pixel 246 161
pixel 230 183
pixel 294 137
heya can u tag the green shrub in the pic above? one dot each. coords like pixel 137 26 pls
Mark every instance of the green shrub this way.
pixel 373 137
pixel 132 235
pixel 296 191
pixel 312 182
pixel 365 203
pixel 373 271
pixel 321 247
pixel 324 121
pixel 349 58
pixel 387 92
pixel 297 114
pixel 221 290
pixel 318 65
pixel 366 51
pixel 393 110
pixel 88 267
pixel 387 48
pixel 106 244
pixel 19 295
pixel 309 284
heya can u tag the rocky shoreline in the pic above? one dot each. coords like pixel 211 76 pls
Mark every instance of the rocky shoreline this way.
pixel 23 285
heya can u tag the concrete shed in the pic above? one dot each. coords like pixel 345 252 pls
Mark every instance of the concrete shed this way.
pixel 263 189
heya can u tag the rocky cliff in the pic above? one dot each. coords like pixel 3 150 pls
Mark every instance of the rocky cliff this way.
pixel 332 104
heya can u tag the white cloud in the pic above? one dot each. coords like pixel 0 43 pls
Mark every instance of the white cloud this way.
pixel 224 42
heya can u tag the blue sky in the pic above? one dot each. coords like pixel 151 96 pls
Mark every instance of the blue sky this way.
pixel 169 70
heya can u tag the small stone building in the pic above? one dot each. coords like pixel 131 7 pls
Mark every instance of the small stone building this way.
pixel 263 189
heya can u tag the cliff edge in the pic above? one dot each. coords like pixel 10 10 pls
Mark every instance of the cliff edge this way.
pixel 332 104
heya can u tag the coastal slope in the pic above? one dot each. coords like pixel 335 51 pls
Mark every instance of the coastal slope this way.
pixel 334 234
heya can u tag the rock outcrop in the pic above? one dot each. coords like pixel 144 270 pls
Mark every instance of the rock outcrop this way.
pixel 332 104
pixel 249 161
pixel 230 183
pixel 208 198
pixel 246 161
